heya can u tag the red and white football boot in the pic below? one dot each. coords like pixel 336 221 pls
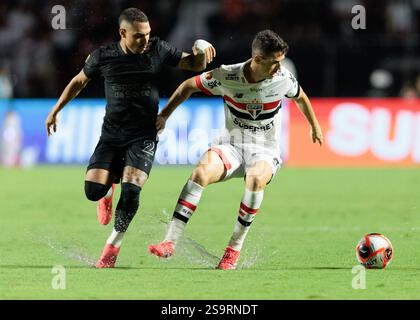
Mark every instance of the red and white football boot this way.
pixel 104 210
pixel 108 257
pixel 229 259
pixel 164 249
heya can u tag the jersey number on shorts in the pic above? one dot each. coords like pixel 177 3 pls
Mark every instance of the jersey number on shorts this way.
pixel 149 147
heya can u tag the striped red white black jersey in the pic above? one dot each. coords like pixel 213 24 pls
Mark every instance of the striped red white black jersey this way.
pixel 251 109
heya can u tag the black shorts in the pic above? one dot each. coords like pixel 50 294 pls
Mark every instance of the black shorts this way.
pixel 113 157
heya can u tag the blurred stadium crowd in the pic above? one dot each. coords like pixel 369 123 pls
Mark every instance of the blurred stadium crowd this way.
pixel 329 57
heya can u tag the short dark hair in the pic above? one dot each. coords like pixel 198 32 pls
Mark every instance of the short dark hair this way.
pixel 132 14
pixel 267 42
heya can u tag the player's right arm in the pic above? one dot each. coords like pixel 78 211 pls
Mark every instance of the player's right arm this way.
pixel 207 82
pixel 70 92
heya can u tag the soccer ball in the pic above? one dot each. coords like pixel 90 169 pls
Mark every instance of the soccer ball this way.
pixel 374 251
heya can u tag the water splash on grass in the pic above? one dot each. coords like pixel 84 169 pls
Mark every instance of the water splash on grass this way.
pixel 195 253
pixel 73 252
pixel 254 255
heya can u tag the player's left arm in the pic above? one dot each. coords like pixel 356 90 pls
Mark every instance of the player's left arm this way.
pixel 203 53
pixel 305 106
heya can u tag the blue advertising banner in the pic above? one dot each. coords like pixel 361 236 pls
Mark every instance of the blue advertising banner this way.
pixel 24 141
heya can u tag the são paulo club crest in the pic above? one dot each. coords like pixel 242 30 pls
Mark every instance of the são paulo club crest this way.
pixel 254 108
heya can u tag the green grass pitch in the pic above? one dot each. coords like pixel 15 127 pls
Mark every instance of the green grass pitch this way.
pixel 301 245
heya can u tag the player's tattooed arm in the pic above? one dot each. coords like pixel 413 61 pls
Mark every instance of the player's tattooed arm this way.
pixel 203 53
pixel 182 93
pixel 305 106
pixel 70 92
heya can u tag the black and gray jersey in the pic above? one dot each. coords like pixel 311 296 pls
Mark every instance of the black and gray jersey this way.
pixel 131 89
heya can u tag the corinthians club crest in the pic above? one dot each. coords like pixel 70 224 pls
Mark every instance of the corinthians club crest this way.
pixel 254 108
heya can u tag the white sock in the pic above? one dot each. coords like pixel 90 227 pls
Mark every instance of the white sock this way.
pixel 115 238
pixel 187 203
pixel 251 202
pixel 175 230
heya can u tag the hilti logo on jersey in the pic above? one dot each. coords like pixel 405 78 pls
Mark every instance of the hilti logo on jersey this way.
pixel 254 109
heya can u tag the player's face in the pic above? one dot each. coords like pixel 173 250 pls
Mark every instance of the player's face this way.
pixel 270 64
pixel 136 35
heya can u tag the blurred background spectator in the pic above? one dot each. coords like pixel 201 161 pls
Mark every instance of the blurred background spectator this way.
pixel 6 85
pixel 10 140
pixel 329 57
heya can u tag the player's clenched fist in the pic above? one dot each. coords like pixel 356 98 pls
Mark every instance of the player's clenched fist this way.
pixel 206 48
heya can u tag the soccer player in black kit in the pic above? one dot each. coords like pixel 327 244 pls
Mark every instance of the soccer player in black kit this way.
pixel 128 141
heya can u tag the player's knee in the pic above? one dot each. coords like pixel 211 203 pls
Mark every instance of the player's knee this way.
pixel 201 175
pixel 95 191
pixel 255 182
pixel 136 178
pixel 130 198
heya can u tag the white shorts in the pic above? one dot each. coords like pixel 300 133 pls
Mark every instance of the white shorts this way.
pixel 239 158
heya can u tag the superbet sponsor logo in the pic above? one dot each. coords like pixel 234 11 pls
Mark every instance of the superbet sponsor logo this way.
pixel 390 136
pixel 252 128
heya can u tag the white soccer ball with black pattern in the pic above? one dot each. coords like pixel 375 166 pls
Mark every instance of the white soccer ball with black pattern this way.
pixel 374 251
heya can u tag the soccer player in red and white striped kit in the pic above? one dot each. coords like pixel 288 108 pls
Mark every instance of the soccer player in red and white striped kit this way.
pixel 250 148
